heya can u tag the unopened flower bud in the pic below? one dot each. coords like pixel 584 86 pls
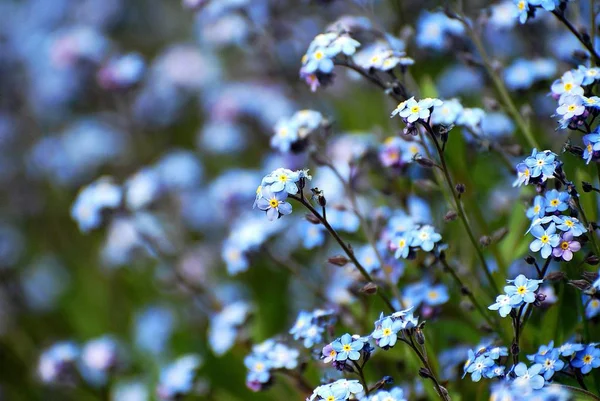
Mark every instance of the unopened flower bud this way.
pixel 424 162
pixel 485 240
pixel 555 276
pixel 424 373
pixel 460 188
pixel 369 289
pixel 514 349
pixel 419 336
pixel 592 260
pixel 530 260
pixel 450 216
pixel 590 276
pixel 338 260
pixel 312 218
pixel 580 284
pixel 499 234
pixel 586 186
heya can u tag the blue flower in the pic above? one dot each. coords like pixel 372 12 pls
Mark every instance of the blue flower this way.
pixel 282 179
pixel 411 110
pixel 502 305
pixel 479 367
pixel 545 240
pixel 570 225
pixel 547 5
pixel 347 348
pixel 587 359
pixel 569 84
pixel 538 209
pixel 590 74
pixel 368 258
pixel 447 113
pixel 177 379
pixel 541 163
pixel 550 362
pixel 522 290
pixel 519 75
pixel 556 201
pixel 568 349
pixel 387 334
pixel 436 295
pixel 522 10
pixel 92 200
pixel 528 379
pixel 592 307
pixel 523 175
pixel 258 368
pixel 401 244
pixel 274 203
pixel 313 235
pixel 592 145
pixel 56 362
pixel 426 238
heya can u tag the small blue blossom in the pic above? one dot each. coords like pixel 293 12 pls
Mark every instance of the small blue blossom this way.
pixel 177 379
pixel 592 146
pixel 541 164
pixel 347 348
pixel 401 245
pixel 528 379
pixel 545 240
pixel 523 175
pixel 522 10
pixel 568 349
pixel 282 180
pixel 425 237
pixel 522 290
pixel 569 84
pixel 274 203
pixel 436 295
pixel 556 201
pixel 550 362
pixel 538 209
pixel 367 256
pixel 590 74
pixel 587 359
pixel 548 5
pixel 502 305
pixel 570 225
pixel 480 366
pixel 386 335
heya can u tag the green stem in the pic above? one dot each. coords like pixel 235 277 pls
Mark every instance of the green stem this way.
pixel 438 387
pixel 588 45
pixel 366 230
pixel 468 292
pixel 500 87
pixel 459 206
pixel 345 247
pixel 578 390
pixel 361 375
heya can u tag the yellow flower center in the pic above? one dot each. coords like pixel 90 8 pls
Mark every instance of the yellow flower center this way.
pixel 319 55
pixel 259 367
pixel 332 353
pixel 304 58
pixel 564 245
pixel 526 172
pixel 387 332
pixel 568 86
pixel 331 398
pixel 554 202
pixel 432 295
pixel 347 348
pixel 536 209
pixel 283 178
pixel 587 359
pixel 522 290
pixel 273 203
pixel 569 223
pixel 401 243
pixel 521 5
pixel 571 107
pixel 540 162
pixel 259 189
pixel 415 109
pixel 545 239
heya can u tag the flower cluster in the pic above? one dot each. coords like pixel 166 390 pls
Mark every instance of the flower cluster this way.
pixel 485 362
pixel 521 291
pixel 339 390
pixel 387 328
pixel 537 168
pixel 382 59
pixel 274 189
pixel 346 348
pixel 65 362
pixel 412 110
pixel 291 134
pixel 265 358
pixel 575 102
pixel 405 243
pixel 398 152
pixel 318 62
pixel 310 326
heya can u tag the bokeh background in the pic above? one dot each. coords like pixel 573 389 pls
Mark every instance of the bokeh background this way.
pixel 179 100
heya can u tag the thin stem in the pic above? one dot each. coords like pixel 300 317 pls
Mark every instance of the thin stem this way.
pixel 468 292
pixel 345 247
pixel 366 230
pixel 500 87
pixel 588 45
pixel 303 385
pixel 459 206
pixel 442 393
pixel 578 390
pixel 361 375
pixel 517 329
